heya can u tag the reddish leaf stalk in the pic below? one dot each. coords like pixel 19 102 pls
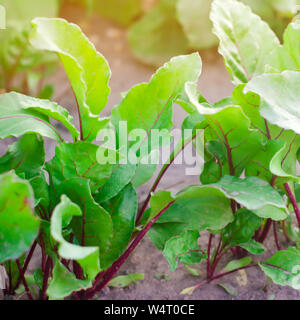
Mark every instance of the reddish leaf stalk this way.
pixel 293 201
pixel 46 277
pixel 117 265
pixel 24 280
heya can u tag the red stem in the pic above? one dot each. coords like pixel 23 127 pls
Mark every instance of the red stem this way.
pixel 276 235
pixel 24 280
pixel 117 265
pixel 26 263
pixel 293 201
pixel 265 231
pixel 46 277
pixel 208 255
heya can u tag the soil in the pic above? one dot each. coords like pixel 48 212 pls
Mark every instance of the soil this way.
pixel 214 84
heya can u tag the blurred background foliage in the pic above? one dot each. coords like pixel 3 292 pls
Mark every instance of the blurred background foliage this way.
pixel 157 30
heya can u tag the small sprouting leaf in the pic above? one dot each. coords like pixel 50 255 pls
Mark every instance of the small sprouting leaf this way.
pixel 192 271
pixel 18 226
pixel 229 289
pixel 26 157
pixel 20 114
pixel 87 257
pixel 183 248
pixel 87 69
pixel 188 291
pixel 78 159
pixel 63 283
pixel 125 281
pixel 161 276
pixel 123 209
pixel 237 264
pixel 38 276
pixel 245 40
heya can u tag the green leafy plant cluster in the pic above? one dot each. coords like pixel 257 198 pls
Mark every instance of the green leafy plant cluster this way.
pixel 82 210
pixel 22 68
pixel 179 26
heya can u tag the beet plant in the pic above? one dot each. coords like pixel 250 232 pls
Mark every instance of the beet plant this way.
pixel 249 180
pixel 79 208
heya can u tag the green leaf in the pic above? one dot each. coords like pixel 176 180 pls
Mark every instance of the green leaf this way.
pixel 245 40
pixel 122 12
pixel 148 106
pixel 279 98
pixel 237 264
pixel 254 194
pixel 125 281
pixel 242 229
pixel 230 290
pixel 41 191
pixel 121 176
pixel 123 209
pixel 196 208
pixel 63 283
pixel 38 276
pixel 78 159
pixel 26 157
pixel 183 248
pixel 87 69
pixel 18 226
pixel 194 17
pixel 253 247
pixel 95 221
pixel 87 257
pixel 192 271
pixel 20 114
pixel 165 36
pixel 283 268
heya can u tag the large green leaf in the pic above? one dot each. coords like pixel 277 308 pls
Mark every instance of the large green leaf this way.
pixel 194 17
pixel 25 156
pixel 123 209
pixel 87 69
pixel 279 98
pixel 95 227
pixel 255 195
pixel 183 248
pixel 18 226
pixel 20 114
pixel 78 159
pixel 245 40
pixel 165 36
pixel 63 283
pixel 148 106
pixel 284 268
pixel 197 208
